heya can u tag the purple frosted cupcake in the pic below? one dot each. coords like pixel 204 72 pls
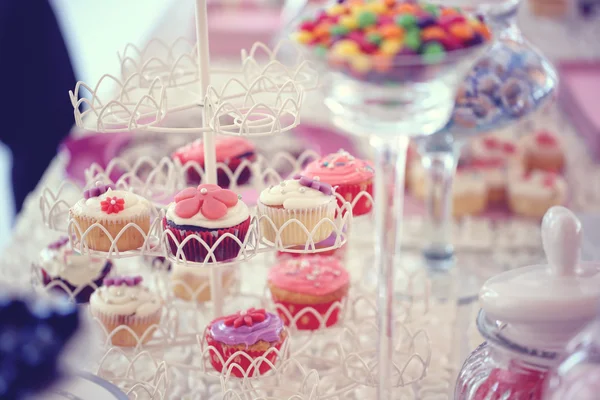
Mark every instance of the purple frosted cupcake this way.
pixel 254 332
pixel 61 267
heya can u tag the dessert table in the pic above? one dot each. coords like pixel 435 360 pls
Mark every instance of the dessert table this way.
pixel 441 306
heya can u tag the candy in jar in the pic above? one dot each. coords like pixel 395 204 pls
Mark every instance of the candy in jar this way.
pixel 529 315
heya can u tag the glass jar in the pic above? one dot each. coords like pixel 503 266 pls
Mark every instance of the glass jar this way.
pixel 528 315
pixel 501 369
pixel 577 377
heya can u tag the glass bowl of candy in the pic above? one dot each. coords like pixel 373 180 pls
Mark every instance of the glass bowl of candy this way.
pixel 390 65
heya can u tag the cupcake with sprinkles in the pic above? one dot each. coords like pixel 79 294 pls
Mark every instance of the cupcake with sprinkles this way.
pixel 125 302
pixel 382 41
pixel 352 178
pixel 237 340
pixel 77 275
pixel 288 210
pixel 214 215
pixel 309 291
pixel 112 210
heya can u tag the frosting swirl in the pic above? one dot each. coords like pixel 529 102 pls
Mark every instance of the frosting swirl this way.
pixel 340 168
pixel 268 330
pixel 312 275
pixel 125 300
pixel 293 195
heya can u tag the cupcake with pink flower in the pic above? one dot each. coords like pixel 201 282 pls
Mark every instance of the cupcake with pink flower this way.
pixel 206 223
pixel 124 301
pixel 238 340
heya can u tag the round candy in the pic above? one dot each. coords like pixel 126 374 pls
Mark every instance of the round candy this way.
pixel 367 18
pixel 391 32
pixel 349 22
pixel 375 38
pixel 338 30
pixel 304 37
pixel 462 31
pixel 433 33
pixel 391 46
pixel 433 52
pixel 337 9
pixel 412 39
pixel 406 21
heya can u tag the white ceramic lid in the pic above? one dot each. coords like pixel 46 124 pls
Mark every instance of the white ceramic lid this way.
pixel 563 293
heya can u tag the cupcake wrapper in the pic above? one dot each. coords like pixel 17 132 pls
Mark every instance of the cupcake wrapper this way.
pixel 308 321
pixel 142 326
pixel 84 294
pixel 195 251
pixel 244 363
pixel 293 234
pixel 349 192
pixel 96 239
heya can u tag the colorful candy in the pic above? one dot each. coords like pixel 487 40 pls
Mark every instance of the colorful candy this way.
pixel 369 35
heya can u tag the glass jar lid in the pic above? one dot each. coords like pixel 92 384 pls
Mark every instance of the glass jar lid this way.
pixel 549 301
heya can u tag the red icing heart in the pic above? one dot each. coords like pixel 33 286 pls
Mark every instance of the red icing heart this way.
pixel 210 200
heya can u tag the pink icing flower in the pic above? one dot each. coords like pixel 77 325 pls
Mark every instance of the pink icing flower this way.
pixel 211 200
pixel 247 318
pixel 123 280
pixel 112 205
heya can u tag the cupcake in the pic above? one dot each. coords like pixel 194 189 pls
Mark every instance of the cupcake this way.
pixel 239 339
pixel 191 283
pixel 543 150
pixel 208 212
pixel 303 200
pixel 469 193
pixel 533 193
pixel 492 156
pixel 77 275
pixel 306 285
pixel 125 302
pixel 231 151
pixel 349 175
pixel 113 210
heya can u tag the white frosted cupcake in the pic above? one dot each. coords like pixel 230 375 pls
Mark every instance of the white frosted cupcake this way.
pixel 309 201
pixel 113 210
pixel 123 301
pixel 64 270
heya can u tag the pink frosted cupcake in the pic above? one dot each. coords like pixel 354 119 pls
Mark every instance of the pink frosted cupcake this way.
pixel 209 212
pixel 310 282
pixel 231 151
pixel 350 175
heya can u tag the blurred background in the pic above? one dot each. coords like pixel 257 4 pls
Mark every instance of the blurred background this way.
pixel 94 31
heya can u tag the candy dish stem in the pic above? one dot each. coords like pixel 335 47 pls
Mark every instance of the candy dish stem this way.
pixel 439 159
pixel 390 161
pixel 210 158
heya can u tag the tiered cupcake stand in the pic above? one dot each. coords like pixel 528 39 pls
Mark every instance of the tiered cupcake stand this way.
pixel 262 98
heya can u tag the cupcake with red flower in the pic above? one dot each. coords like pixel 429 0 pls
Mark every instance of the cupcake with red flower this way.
pixel 75 274
pixel 240 339
pixel 303 287
pixel 352 177
pixel 206 217
pixel 543 150
pixel 110 211
pixel 231 152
